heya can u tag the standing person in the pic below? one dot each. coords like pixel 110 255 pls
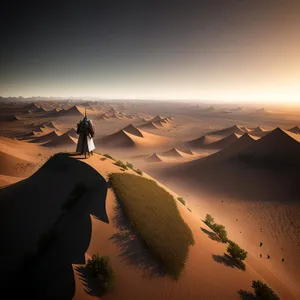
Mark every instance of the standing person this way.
pixel 86 132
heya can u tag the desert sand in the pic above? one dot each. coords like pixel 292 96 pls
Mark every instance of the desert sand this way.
pixel 240 164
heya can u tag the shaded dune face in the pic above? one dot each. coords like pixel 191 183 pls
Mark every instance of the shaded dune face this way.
pixel 37 202
pixel 264 169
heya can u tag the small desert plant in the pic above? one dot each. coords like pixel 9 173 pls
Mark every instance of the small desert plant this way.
pixel 139 171
pixel 122 169
pixel 236 251
pixel 99 267
pixel 262 291
pixel 119 163
pixel 189 209
pixel 78 191
pixel 181 200
pixel 103 158
pixel 108 156
pixel 220 231
pixel 129 165
pixel 209 220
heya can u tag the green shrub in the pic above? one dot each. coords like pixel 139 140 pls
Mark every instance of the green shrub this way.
pixel 99 267
pixel 108 156
pixel 262 291
pixel 220 231
pixel 129 165
pixel 103 158
pixel 139 172
pixel 181 200
pixel 78 191
pixel 209 220
pixel 119 163
pixel 155 216
pixel 236 252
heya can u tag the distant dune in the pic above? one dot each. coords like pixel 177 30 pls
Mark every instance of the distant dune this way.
pixel 227 131
pixel 46 138
pixel 213 142
pixel 149 125
pixel 295 129
pixel 64 140
pixel 76 111
pixel 202 141
pixel 153 158
pixel 130 136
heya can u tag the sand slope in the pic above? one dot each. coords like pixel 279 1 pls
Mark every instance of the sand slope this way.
pixel 130 136
pixel 227 131
pixel 202 141
pixel 295 129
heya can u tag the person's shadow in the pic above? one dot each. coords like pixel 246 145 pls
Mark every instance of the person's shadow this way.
pixel 48 273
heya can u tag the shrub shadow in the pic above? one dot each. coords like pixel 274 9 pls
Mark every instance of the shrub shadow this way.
pixel 133 249
pixel 228 261
pixel 89 283
pixel 246 295
pixel 212 235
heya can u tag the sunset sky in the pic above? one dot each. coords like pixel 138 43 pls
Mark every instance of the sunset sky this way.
pixel 241 50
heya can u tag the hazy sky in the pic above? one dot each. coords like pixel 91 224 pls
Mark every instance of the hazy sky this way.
pixel 239 50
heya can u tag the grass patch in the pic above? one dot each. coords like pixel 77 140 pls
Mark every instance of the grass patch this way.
pixel 99 268
pixel 120 164
pixel 138 171
pixel 103 158
pixel 129 165
pixel 108 156
pixel 78 191
pixel 155 216
pixel 181 200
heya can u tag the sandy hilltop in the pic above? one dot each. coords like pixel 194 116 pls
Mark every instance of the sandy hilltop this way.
pixel 238 164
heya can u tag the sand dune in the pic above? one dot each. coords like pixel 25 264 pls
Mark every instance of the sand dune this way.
pixel 31 106
pixel 64 140
pixel 72 133
pixel 260 112
pixel 212 142
pixel 154 158
pixel 122 138
pixel 227 131
pixel 295 129
pixel 76 111
pixel 224 142
pixel 51 125
pixel 278 145
pixel 19 159
pixel 118 139
pixel 173 153
pixel 203 141
pixel 130 136
pixel 176 153
pixel 159 119
pixel 11 165
pixel 133 130
pixel 46 138
pixel 149 125
pixel 244 128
